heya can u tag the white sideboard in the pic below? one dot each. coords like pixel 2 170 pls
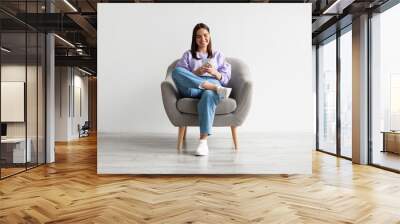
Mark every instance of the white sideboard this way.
pixel 18 145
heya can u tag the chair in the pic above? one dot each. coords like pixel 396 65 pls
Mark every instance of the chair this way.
pixel 84 129
pixel 231 112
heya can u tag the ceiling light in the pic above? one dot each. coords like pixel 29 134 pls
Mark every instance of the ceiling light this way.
pixel 5 50
pixel 338 6
pixel 70 5
pixel 84 71
pixel 79 51
pixel 65 41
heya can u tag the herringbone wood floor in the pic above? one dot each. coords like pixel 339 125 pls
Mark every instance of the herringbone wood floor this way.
pixel 70 191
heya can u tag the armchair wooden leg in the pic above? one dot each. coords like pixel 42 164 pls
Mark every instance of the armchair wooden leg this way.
pixel 234 136
pixel 181 134
pixel 184 134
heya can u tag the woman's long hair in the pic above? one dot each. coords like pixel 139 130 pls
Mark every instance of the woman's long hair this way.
pixel 195 47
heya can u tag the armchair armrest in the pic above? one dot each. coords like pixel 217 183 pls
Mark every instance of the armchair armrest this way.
pixel 170 96
pixel 243 100
pixel 242 91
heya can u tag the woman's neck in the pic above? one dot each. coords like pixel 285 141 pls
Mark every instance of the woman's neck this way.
pixel 202 50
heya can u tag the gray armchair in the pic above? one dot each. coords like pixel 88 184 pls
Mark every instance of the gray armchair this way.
pixel 182 112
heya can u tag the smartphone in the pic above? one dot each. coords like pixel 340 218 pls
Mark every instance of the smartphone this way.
pixel 206 61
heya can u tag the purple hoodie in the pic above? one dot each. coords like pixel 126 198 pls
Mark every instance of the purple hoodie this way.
pixel 218 61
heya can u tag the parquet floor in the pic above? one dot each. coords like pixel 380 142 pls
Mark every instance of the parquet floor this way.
pixel 70 191
pixel 10 171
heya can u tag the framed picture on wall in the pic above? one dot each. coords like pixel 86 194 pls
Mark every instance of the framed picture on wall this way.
pixel 12 101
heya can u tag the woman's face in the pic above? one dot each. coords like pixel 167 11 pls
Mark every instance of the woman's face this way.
pixel 202 38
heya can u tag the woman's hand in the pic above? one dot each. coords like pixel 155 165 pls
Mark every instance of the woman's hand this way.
pixel 201 70
pixel 211 70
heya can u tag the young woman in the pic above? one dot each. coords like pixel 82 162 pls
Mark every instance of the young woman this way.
pixel 203 73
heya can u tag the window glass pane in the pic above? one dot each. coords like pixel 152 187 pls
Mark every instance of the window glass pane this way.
pixel 346 93
pixel 41 97
pixel 14 153
pixel 386 88
pixel 22 88
pixel 327 96
pixel 32 95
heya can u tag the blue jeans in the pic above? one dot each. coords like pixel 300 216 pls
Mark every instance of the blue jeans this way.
pixel 188 86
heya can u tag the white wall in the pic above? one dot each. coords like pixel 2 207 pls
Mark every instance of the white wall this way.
pixel 16 73
pixel 33 126
pixel 19 73
pixel 314 87
pixel 80 83
pixel 66 120
pixel 137 42
pixel 61 103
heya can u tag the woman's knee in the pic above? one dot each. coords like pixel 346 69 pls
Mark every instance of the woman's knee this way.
pixel 177 71
pixel 208 93
pixel 214 81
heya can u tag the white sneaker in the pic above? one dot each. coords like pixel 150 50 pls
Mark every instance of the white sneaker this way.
pixel 224 92
pixel 202 149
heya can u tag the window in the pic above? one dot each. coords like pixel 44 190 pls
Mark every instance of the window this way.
pixel 22 66
pixel 385 89
pixel 327 96
pixel 346 93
